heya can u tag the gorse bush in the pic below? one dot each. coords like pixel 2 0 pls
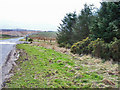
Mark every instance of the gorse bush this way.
pixel 81 46
pixel 98 48
pixel 115 50
pixel 95 47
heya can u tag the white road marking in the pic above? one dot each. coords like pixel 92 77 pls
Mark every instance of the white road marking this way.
pixel 7 43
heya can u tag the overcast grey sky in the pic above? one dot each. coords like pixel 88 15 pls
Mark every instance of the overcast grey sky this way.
pixel 38 14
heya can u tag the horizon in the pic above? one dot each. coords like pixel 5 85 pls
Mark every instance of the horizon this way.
pixel 38 15
pixel 25 30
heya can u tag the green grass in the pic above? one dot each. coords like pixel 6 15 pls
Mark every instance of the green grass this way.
pixel 22 39
pixel 39 67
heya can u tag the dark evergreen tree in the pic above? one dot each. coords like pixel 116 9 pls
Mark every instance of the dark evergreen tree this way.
pixel 81 28
pixel 107 24
pixel 64 35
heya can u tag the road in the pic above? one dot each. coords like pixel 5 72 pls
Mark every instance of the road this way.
pixel 5 47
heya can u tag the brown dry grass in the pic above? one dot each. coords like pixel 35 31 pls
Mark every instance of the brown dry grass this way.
pixel 52 45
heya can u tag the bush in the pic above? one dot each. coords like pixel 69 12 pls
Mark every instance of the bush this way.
pixel 95 47
pixel 81 47
pixel 65 45
pixel 98 48
pixel 30 40
pixel 105 52
pixel 115 50
pixel 62 45
pixel 68 46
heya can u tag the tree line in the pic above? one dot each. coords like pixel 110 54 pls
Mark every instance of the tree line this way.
pixel 102 23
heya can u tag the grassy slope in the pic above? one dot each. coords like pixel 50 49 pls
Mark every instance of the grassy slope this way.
pixel 45 34
pixel 46 68
pixel 5 36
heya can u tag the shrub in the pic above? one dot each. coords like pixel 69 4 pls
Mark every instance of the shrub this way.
pixel 62 45
pixel 98 48
pixel 95 47
pixel 68 46
pixel 115 50
pixel 105 51
pixel 81 47
pixel 30 40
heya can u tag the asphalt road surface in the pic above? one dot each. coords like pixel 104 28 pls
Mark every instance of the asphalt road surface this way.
pixel 5 47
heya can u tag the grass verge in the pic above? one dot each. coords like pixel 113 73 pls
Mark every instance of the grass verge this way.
pixel 39 67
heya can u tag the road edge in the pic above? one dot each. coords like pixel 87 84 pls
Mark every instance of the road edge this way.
pixel 8 65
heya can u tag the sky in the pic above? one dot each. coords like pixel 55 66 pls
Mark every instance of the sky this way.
pixel 44 15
